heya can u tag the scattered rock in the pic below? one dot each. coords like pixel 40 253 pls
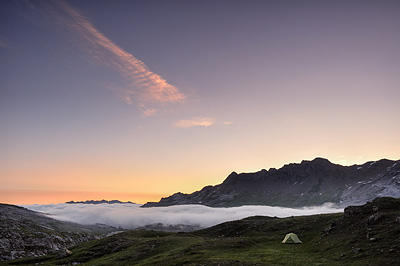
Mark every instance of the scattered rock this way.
pixel 64 252
pixel 356 250
pixel 328 231
pixel 374 218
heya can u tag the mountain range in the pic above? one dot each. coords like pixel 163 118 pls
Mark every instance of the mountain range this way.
pixel 302 184
pixel 99 202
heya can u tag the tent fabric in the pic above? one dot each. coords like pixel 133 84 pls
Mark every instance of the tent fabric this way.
pixel 291 238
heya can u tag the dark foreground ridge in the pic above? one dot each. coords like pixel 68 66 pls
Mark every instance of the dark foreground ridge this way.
pixel 362 235
pixel 298 185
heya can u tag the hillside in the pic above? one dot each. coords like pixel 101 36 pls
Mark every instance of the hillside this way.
pixel 27 233
pixel 297 185
pixel 362 235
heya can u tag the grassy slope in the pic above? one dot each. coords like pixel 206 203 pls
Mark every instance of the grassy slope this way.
pixel 254 241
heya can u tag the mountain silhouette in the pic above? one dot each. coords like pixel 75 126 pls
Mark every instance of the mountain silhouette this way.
pixel 298 185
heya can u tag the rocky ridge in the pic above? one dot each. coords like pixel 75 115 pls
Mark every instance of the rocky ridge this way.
pixel 25 233
pixel 298 185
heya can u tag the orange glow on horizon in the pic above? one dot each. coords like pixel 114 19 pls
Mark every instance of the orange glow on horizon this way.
pixel 22 197
pixel 46 190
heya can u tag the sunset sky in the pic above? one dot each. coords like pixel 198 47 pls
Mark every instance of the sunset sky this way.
pixel 136 100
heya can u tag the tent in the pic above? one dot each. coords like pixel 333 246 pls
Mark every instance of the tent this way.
pixel 291 238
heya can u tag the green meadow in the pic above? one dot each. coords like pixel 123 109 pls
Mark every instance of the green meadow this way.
pixel 369 235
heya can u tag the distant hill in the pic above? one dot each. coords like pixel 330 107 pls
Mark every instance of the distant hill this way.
pixel 298 185
pixel 25 233
pixel 99 202
pixel 170 228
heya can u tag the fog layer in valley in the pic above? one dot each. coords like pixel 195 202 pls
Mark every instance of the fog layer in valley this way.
pixel 130 216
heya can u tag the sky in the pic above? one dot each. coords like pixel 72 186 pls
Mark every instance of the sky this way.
pixel 137 100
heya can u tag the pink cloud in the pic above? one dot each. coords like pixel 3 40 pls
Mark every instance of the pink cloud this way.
pixel 146 89
pixel 196 121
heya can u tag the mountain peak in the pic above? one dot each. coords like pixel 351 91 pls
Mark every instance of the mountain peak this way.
pixel 317 160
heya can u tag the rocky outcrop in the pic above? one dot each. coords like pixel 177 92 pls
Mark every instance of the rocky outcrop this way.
pixel 372 211
pixel 25 233
pixel 20 240
pixel 297 185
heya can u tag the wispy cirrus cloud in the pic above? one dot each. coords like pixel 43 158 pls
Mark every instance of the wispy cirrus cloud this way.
pixel 195 121
pixel 148 90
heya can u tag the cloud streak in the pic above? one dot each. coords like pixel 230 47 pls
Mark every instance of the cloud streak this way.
pixel 195 121
pixel 129 216
pixel 148 90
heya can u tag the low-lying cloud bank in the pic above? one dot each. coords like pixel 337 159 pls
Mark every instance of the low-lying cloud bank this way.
pixel 129 216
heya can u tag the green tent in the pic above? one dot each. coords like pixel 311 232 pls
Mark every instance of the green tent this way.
pixel 291 239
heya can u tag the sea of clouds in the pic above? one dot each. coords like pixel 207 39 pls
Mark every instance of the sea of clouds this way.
pixel 130 216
